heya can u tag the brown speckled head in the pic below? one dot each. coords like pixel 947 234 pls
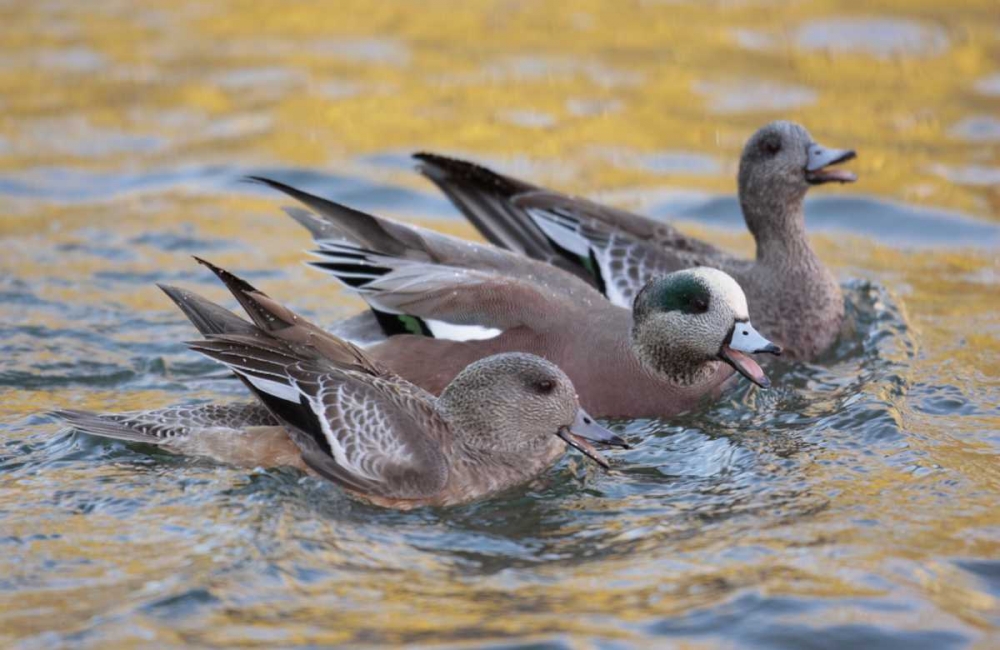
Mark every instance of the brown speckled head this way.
pixel 778 165
pixel 521 405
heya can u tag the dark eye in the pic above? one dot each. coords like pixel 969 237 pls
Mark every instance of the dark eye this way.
pixel 698 305
pixel 771 146
pixel 545 386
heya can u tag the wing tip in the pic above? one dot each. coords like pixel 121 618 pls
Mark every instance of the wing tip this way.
pixel 175 293
pixel 263 180
pixel 68 414
pixel 317 227
pixel 450 170
pixel 232 281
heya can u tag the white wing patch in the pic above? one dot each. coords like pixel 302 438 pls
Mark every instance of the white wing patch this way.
pixel 406 276
pixel 613 254
pixel 441 329
pixel 278 389
pixel 452 332
pixel 560 231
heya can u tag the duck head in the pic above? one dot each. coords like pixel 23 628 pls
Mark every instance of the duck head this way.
pixel 520 406
pixel 687 319
pixel 780 162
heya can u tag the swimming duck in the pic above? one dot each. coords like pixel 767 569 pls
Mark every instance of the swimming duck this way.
pixel 446 302
pixel 340 414
pixel 792 295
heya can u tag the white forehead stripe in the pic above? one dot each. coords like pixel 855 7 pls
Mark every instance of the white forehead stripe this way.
pixel 724 286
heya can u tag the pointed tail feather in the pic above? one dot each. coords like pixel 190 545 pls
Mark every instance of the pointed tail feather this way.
pixel 293 330
pixel 108 426
pixel 205 315
pixel 438 167
pixel 344 222
pixel 252 300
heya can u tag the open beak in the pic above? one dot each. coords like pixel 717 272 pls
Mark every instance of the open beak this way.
pixel 743 341
pixel 585 430
pixel 820 159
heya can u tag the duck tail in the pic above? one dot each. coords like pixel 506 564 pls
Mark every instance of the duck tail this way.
pixel 208 317
pixel 283 324
pixel 266 314
pixel 336 222
pixel 105 425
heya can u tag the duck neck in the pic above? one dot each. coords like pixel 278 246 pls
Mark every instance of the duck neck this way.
pixel 488 469
pixel 778 227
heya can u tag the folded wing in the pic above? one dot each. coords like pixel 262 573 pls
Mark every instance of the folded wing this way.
pixel 334 224
pixel 370 433
pixel 444 301
pixel 514 214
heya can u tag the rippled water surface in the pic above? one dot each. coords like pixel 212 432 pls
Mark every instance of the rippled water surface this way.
pixel 853 505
